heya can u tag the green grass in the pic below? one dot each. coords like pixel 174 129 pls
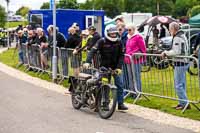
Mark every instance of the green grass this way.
pixel 11 59
pixel 15 24
pixel 166 105
pixel 161 82
pixel 151 86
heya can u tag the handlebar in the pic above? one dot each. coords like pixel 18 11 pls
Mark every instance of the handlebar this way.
pixel 103 70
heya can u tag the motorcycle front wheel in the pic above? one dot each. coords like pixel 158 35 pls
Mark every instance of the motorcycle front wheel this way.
pixel 106 101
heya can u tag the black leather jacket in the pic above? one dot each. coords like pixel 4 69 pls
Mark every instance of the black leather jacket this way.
pixel 111 55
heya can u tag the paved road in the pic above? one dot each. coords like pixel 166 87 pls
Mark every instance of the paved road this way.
pixel 26 108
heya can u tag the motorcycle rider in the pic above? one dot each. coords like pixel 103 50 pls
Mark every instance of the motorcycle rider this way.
pixel 110 50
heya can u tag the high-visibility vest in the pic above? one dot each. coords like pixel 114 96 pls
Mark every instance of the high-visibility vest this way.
pixel 83 43
pixel 1 35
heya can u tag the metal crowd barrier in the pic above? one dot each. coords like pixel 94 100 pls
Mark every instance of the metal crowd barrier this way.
pixel 48 54
pixel 143 74
pixel 153 75
pixel 64 62
pixel 71 63
pixel 68 63
pixel 35 58
pixel 25 52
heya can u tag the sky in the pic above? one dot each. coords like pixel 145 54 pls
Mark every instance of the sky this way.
pixel 33 4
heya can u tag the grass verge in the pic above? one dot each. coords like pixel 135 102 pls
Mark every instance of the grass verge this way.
pixel 15 24
pixel 10 58
pixel 163 105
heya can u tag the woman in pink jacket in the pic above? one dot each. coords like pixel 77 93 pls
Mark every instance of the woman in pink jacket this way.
pixel 134 44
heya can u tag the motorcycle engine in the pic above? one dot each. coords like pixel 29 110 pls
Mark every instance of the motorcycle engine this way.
pixel 92 82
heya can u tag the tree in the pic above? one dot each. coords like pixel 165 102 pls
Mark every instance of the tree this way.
pixel 183 6
pixel 115 7
pixel 87 5
pixel 68 4
pixel 110 10
pixel 111 7
pixel 2 16
pixel 45 5
pixel 23 11
pixel 194 11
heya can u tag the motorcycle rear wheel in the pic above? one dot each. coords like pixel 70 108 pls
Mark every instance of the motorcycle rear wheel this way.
pixel 74 96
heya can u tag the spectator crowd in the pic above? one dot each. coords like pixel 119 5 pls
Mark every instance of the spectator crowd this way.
pixel 118 40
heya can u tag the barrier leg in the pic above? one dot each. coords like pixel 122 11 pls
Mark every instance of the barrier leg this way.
pixel 136 99
pixel 28 69
pixel 185 107
pixel 128 94
pixel 195 106
pixel 145 97
pixel 62 79
pixel 138 96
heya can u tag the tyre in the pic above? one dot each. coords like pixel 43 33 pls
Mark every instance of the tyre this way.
pixel 146 66
pixel 76 98
pixel 192 71
pixel 106 101
pixel 193 68
pixel 160 63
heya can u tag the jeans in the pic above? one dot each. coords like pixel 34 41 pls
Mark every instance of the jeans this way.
pixel 138 76
pixel 180 83
pixel 125 79
pixel 137 72
pixel 119 84
pixel 199 57
pixel 21 57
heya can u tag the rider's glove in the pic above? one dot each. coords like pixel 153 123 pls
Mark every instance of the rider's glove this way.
pixel 118 71
pixel 86 65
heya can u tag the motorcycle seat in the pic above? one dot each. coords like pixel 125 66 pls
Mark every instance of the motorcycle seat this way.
pixel 84 76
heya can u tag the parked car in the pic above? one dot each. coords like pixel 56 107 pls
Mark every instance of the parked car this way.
pixel 166 43
pixel 191 34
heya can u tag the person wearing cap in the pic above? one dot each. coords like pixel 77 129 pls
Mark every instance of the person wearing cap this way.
pixel 83 45
pixel 110 50
pixel 95 37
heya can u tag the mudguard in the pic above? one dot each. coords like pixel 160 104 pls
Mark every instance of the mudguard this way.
pixel 72 81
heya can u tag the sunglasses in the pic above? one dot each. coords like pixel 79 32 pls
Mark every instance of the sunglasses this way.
pixel 120 29
pixel 129 29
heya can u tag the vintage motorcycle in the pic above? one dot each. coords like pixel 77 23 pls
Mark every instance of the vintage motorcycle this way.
pixel 95 91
